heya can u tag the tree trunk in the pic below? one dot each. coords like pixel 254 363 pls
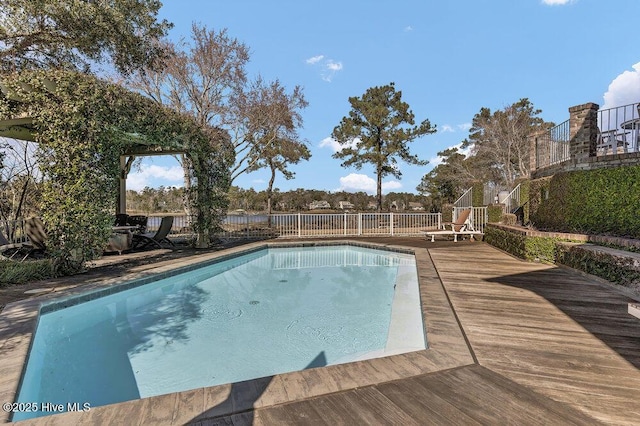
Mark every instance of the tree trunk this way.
pixel 269 193
pixel 184 162
pixel 379 191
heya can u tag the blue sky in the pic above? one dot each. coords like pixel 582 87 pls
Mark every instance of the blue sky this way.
pixel 448 57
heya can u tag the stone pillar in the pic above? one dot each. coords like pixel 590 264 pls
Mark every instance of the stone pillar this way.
pixel 583 131
pixel 535 144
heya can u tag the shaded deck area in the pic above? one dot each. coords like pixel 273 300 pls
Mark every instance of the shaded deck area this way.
pixel 510 342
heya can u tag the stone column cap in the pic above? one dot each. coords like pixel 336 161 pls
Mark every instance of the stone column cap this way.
pixel 588 105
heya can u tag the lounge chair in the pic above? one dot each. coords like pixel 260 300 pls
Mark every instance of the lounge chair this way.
pixel 155 238
pixel 461 226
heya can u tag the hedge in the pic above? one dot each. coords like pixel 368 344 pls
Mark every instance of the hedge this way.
pixel 621 269
pixel 602 201
pixel 536 249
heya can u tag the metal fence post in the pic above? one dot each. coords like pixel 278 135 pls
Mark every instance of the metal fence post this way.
pixel 359 223
pixel 391 224
pixel 345 224
pixel 299 224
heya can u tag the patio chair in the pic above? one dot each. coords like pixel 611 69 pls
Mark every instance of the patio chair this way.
pixel 121 219
pixel 461 226
pixel 139 221
pixel 155 238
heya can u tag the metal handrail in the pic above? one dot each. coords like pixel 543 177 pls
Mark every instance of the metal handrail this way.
pixel 619 130
pixel 553 146
pixel 512 202
pixel 465 200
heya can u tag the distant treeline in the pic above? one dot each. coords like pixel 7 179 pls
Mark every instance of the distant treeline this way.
pixel 170 199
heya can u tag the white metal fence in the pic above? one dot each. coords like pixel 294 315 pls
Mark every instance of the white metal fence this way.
pixel 304 225
pixel 299 225
pixel 478 217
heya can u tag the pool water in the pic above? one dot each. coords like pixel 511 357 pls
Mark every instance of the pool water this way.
pixel 272 311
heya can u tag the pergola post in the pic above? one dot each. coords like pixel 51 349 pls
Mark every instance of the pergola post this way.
pixel 125 168
pixel 121 206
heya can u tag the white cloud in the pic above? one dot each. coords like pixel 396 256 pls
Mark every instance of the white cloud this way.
pixel 315 59
pixel 408 28
pixel 624 89
pixel 355 182
pixel 330 69
pixel 435 161
pixel 447 128
pixel 327 67
pixel 335 146
pixel 139 179
pixel 333 66
pixel 557 2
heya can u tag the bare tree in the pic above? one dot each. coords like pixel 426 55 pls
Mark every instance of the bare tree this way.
pixel 19 179
pixel 206 78
pixel 273 118
pixel 501 138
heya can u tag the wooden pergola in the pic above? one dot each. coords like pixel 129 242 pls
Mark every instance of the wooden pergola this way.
pixel 22 128
pixel 95 129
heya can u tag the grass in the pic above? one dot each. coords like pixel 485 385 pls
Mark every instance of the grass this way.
pixel 12 272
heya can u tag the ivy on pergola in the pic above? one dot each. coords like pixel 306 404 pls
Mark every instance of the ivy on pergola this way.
pixel 83 125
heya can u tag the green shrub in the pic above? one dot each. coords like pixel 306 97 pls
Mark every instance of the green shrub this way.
pixel 534 249
pixel 507 241
pixel 477 194
pixel 508 219
pixel 602 201
pixel 612 268
pixel 525 191
pixel 494 213
pixel 12 272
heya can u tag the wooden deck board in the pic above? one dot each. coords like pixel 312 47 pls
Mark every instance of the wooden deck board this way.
pixel 554 331
pixel 469 395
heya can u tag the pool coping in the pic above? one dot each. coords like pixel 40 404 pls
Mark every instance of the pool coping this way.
pixel 447 348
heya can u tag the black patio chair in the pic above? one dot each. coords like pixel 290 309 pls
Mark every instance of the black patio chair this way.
pixel 139 221
pixel 155 238
pixel 121 219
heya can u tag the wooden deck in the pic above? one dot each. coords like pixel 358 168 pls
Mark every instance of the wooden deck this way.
pixel 524 344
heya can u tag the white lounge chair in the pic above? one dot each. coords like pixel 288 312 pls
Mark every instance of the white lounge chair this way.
pixel 461 226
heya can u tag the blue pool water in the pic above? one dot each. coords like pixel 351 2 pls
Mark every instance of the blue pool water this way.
pixel 272 311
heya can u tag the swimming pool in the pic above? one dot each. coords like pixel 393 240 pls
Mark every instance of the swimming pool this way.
pixel 268 312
